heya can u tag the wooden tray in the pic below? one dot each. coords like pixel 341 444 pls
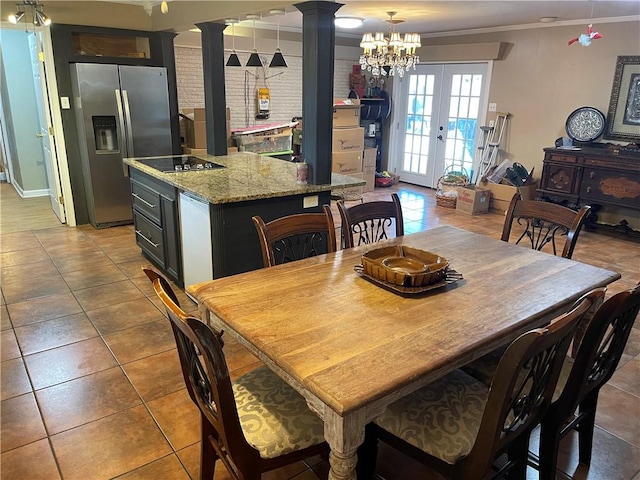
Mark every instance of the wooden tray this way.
pixel 451 278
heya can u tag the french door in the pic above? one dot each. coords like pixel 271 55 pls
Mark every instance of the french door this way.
pixel 436 117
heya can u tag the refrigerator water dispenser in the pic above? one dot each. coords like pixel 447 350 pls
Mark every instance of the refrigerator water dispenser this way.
pixel 104 129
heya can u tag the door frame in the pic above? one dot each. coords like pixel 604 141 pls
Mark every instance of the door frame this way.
pixel 398 112
pixel 44 120
pixel 59 151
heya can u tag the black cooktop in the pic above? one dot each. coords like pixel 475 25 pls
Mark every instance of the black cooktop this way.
pixel 184 163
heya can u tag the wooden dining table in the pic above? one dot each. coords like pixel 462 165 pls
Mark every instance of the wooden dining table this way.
pixel 350 347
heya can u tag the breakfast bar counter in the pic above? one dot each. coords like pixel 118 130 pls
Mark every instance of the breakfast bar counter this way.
pixel 195 224
pixel 246 176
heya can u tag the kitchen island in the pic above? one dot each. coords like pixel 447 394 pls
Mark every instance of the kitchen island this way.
pixel 195 225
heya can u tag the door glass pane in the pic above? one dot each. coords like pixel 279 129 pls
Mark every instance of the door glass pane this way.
pixel 419 117
pixel 462 123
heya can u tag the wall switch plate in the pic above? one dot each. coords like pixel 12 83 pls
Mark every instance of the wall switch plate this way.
pixel 493 107
pixel 64 103
pixel 491 122
pixel 310 202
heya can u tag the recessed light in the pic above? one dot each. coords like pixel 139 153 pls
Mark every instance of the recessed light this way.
pixel 548 19
pixel 348 22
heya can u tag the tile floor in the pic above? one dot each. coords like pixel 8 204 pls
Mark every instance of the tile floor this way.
pixel 91 385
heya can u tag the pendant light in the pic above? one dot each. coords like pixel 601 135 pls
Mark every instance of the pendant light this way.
pixel 278 59
pixel 254 58
pixel 233 60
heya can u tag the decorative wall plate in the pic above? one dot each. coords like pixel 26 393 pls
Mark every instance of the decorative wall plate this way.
pixel 585 124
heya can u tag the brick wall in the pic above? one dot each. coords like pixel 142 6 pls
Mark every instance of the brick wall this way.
pixel 285 86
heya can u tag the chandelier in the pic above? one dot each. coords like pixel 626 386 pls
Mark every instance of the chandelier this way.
pixel 392 55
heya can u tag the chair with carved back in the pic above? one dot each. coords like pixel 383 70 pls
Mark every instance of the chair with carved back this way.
pixel 459 427
pixel 253 425
pixel 370 222
pixel 595 361
pixel 544 223
pixel 295 237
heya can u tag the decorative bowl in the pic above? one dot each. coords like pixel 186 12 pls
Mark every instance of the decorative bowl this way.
pixel 405 266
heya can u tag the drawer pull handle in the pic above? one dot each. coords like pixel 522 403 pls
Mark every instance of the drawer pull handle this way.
pixel 592 175
pixel 588 189
pixel 150 205
pixel 155 245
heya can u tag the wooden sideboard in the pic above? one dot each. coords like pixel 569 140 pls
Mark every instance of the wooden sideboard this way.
pixel 591 176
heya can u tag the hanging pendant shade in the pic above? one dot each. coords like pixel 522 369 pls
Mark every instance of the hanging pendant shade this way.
pixel 278 60
pixel 233 60
pixel 254 58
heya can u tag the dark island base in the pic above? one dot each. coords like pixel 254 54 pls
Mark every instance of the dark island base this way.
pixel 234 240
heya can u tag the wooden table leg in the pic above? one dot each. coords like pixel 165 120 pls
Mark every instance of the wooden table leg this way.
pixel 344 435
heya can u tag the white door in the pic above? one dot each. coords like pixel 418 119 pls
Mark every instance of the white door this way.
pixel 45 131
pixel 436 120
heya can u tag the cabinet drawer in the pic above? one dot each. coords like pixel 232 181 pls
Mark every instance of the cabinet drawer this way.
pixel 555 157
pixel 146 200
pixel 149 238
pixel 618 188
pixel 561 178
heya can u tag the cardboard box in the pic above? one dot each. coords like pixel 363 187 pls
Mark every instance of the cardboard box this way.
pixel 195 127
pixel 346 113
pixel 346 163
pixel 193 151
pixel 369 157
pixel 195 114
pixel 369 174
pixel 501 195
pixel 473 200
pixel 196 134
pixel 347 140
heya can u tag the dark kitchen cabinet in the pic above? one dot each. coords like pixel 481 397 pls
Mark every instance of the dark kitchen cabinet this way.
pixel 155 216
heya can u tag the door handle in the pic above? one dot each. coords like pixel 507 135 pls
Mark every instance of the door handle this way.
pixel 121 120
pixel 127 113
pixel 155 245
pixel 440 137
pixel 40 135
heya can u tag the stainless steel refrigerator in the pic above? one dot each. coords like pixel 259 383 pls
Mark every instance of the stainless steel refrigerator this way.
pixel 121 111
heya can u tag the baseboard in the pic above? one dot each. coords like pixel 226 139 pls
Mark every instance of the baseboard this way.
pixel 31 193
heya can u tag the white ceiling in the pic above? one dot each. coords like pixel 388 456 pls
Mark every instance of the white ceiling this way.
pixel 426 17
pixel 438 17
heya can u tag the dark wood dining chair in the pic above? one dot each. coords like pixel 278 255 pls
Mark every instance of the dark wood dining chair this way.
pixel 598 354
pixel 542 223
pixel 370 222
pixel 459 427
pixel 253 425
pixel 295 237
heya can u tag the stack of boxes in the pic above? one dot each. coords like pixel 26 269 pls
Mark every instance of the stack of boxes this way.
pixel 348 142
pixel 195 131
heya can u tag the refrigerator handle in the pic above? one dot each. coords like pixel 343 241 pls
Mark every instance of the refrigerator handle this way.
pixel 127 113
pixel 123 147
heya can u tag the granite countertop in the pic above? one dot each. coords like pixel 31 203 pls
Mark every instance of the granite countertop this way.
pixel 247 176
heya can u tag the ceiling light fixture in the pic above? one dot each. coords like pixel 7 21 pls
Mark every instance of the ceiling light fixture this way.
pixel 278 60
pixel 348 22
pixel 233 60
pixel 254 58
pixel 38 18
pixel 391 55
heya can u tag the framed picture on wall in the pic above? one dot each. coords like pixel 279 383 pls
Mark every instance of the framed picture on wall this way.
pixel 623 119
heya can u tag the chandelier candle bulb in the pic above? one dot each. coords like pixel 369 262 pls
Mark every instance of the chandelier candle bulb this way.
pixel 393 55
